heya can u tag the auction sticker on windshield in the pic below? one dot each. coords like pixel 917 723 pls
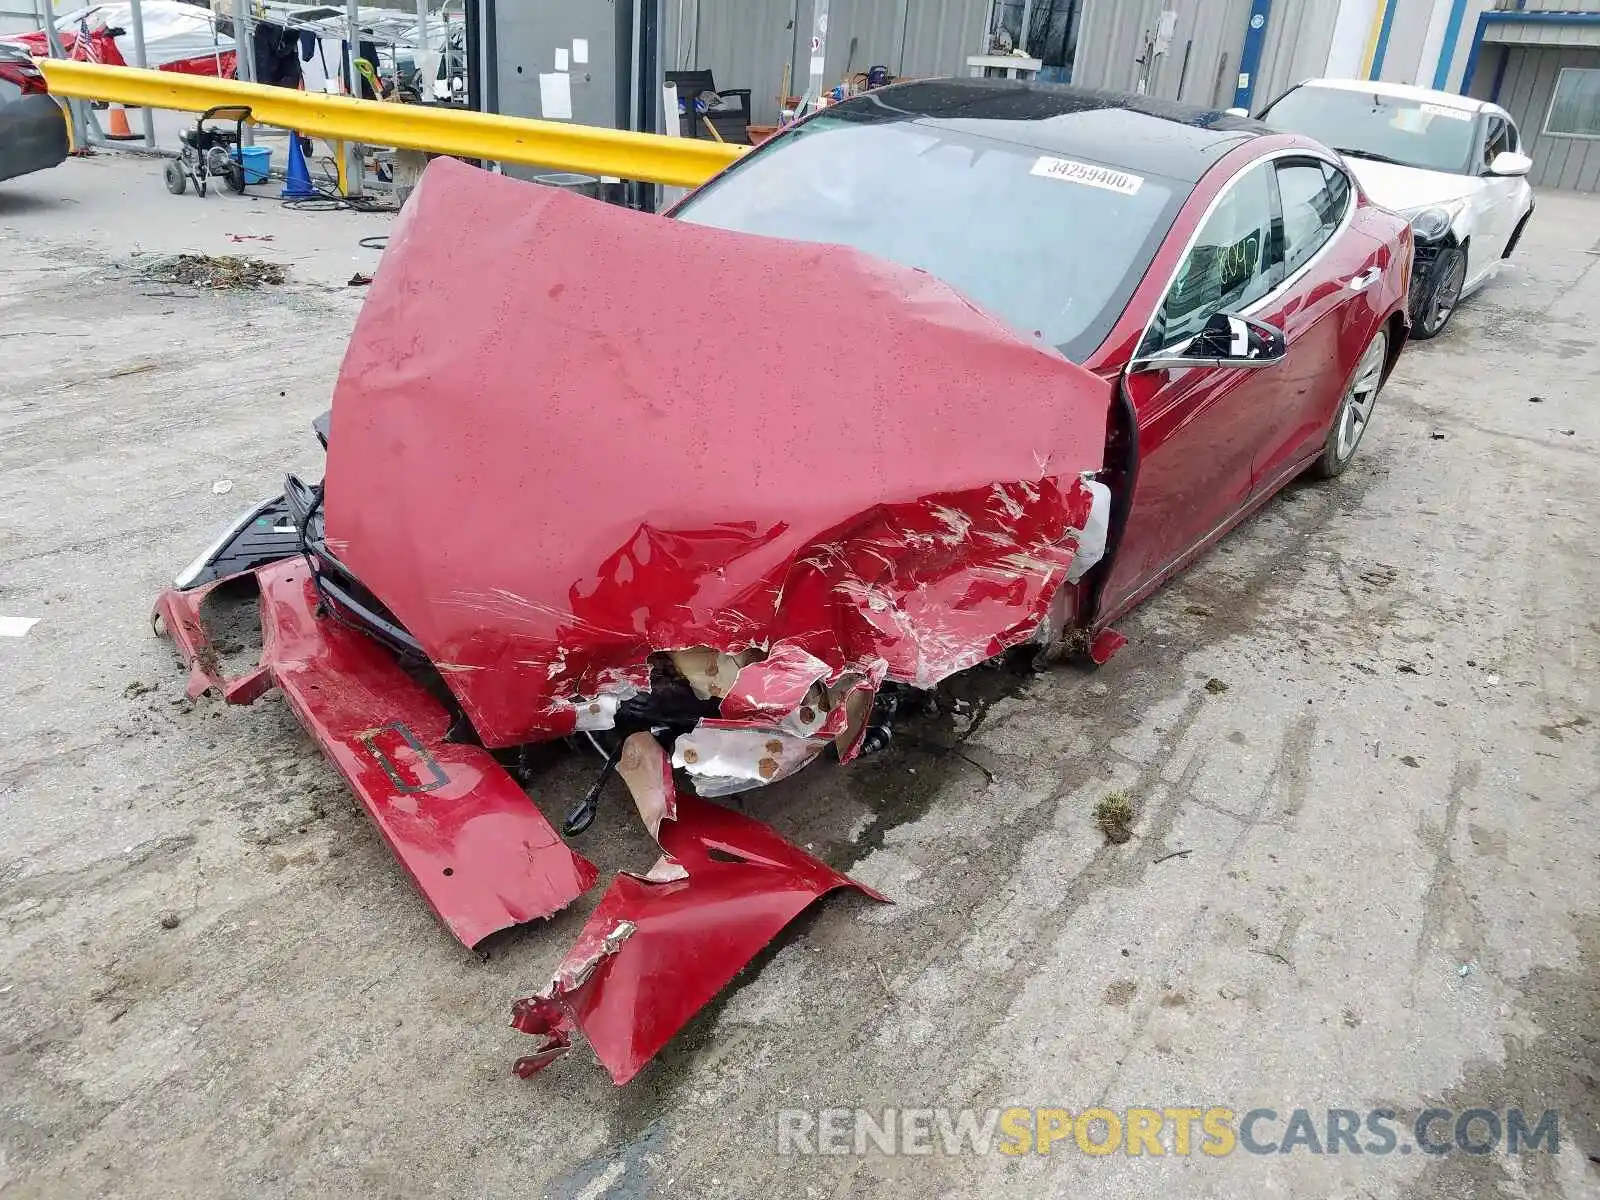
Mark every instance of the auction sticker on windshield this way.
pixel 1444 110
pixel 1088 174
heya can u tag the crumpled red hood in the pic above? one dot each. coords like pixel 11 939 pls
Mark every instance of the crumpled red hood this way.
pixel 566 435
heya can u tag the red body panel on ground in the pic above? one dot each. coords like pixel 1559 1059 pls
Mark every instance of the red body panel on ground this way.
pixel 479 850
pixel 653 954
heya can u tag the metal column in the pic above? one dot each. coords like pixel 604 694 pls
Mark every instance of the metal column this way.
pixel 147 118
pixel 1255 37
pixel 244 56
pixel 75 108
pixel 352 150
pixel 424 50
pixel 818 55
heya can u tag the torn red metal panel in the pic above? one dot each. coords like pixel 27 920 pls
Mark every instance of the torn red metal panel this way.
pixel 1105 644
pixel 653 954
pixel 480 851
pixel 181 612
pixel 548 462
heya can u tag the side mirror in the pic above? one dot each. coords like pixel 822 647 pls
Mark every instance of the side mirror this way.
pixel 1509 162
pixel 1226 341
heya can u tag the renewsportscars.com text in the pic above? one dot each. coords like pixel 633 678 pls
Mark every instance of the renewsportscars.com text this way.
pixel 1215 1132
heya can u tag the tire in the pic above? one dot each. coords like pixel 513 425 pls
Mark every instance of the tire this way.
pixel 1443 297
pixel 233 176
pixel 1354 414
pixel 177 181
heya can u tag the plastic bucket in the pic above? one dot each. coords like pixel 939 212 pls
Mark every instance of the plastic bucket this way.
pixel 257 162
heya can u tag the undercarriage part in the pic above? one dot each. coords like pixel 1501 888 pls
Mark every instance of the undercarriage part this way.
pixel 880 725
pixel 582 816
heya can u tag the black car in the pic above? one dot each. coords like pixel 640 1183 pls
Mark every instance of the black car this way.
pixel 33 128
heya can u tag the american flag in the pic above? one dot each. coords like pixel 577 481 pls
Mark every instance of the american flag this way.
pixel 87 46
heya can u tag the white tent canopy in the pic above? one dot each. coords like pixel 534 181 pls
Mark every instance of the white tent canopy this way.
pixel 173 32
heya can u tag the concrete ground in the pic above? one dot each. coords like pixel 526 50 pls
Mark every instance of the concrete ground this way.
pixel 1382 811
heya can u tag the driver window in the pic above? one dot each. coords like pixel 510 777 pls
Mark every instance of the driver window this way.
pixel 1496 140
pixel 1231 265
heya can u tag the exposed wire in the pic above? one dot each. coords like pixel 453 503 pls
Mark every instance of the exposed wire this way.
pixel 328 199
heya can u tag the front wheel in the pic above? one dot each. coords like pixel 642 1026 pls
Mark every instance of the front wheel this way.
pixel 1355 408
pixel 1443 294
pixel 176 179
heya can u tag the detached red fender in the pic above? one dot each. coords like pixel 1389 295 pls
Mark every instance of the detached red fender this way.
pixel 482 854
pixel 654 953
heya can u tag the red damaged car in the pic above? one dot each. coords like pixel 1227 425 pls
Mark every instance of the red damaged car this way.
pixel 949 371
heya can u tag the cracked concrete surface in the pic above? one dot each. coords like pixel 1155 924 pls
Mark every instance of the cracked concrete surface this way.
pixel 1387 897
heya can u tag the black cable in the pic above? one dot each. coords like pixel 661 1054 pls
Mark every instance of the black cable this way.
pixel 328 200
pixel 333 202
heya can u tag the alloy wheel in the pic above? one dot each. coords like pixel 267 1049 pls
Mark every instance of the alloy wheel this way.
pixel 1361 396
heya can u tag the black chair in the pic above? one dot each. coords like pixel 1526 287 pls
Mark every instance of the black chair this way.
pixel 731 123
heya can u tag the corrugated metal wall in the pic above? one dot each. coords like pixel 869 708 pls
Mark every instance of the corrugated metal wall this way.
pixel 750 43
pixel 1201 65
pixel 941 34
pixel 744 43
pixel 1526 88
pixel 1299 38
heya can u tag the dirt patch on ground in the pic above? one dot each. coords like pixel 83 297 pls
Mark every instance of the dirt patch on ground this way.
pixel 218 271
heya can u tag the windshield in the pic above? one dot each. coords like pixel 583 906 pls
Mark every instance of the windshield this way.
pixel 1412 133
pixel 1052 246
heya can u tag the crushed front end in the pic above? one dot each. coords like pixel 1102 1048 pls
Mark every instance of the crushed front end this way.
pixel 552 515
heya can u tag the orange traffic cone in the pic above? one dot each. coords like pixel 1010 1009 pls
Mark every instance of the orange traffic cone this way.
pixel 119 131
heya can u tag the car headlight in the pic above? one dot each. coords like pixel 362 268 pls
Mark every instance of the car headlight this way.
pixel 1430 224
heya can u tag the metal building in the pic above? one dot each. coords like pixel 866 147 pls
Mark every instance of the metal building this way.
pixel 1541 62
pixel 763 45
pixel 1539 58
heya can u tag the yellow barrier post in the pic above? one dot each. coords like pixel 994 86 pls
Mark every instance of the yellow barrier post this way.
pixel 582 149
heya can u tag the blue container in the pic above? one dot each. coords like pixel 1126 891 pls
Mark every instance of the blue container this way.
pixel 257 162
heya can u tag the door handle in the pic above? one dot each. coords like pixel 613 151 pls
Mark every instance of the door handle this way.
pixel 1361 282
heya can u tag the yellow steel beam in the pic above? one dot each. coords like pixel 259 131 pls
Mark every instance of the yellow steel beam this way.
pixel 583 149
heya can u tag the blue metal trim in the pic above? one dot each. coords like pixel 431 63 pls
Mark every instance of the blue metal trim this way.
pixel 1383 39
pixel 1255 38
pixel 1447 52
pixel 1540 18
pixel 1486 19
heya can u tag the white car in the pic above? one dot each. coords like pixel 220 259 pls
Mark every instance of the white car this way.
pixel 1453 165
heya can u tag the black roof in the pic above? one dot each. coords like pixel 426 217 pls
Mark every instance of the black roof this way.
pixel 1135 133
